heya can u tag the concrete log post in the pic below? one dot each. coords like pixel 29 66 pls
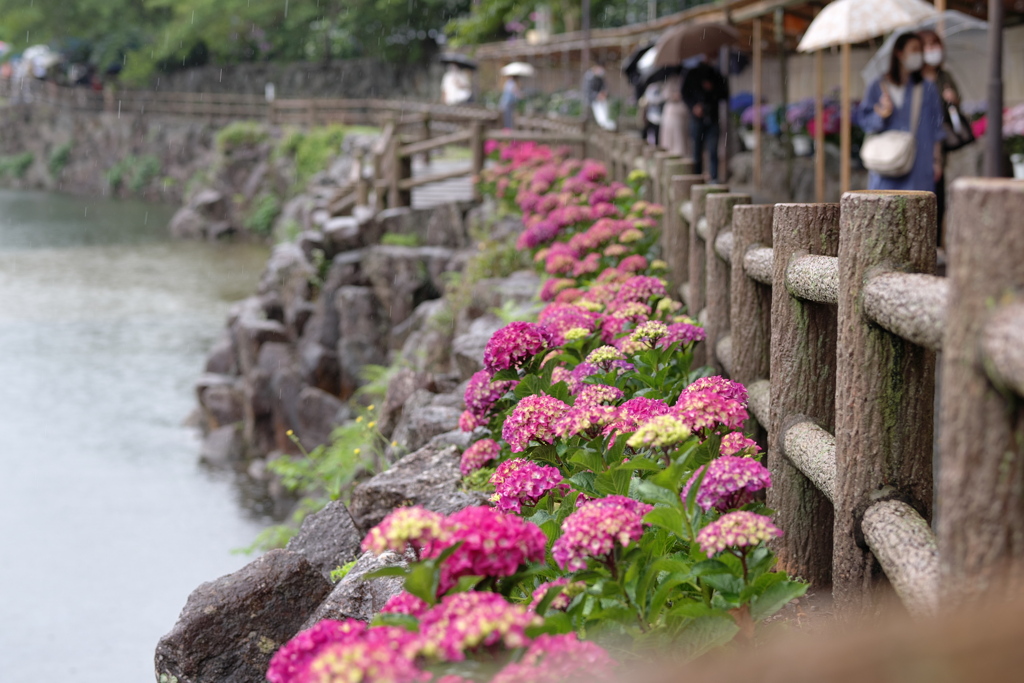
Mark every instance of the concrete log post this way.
pixel 698 260
pixel 803 357
pixel 981 463
pixel 885 385
pixel 675 241
pixel 751 302
pixel 716 324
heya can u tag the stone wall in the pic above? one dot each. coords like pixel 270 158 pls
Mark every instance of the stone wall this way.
pixel 104 154
pixel 349 78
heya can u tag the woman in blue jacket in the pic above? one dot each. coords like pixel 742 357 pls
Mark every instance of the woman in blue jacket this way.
pixel 887 106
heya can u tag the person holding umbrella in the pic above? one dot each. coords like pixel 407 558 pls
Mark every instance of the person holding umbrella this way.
pixel 703 90
pixel 902 100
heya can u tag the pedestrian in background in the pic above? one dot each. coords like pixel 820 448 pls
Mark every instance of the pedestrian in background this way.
pixel 889 105
pixel 703 89
pixel 673 117
pixel 510 94
pixel 595 92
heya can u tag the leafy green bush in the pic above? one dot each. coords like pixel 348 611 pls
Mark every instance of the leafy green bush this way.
pixel 395 239
pixel 135 173
pixel 16 166
pixel 316 149
pixel 241 134
pixel 59 158
pixel 264 212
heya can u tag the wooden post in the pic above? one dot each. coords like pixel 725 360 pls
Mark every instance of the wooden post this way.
pixel 758 95
pixel 476 147
pixel 819 126
pixel 676 238
pixel 845 134
pixel 751 301
pixel 362 184
pixel 885 385
pixel 717 322
pixel 698 254
pixel 981 463
pixel 803 355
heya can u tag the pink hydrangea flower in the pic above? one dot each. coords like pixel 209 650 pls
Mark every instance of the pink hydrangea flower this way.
pixel 521 482
pixel 405 603
pixel 384 653
pixel 682 333
pixel 558 658
pixel 640 288
pixel 734 443
pixel 560 259
pixel 594 528
pixel 478 455
pixel 633 264
pixel 513 345
pixel 585 418
pixel 290 663
pixel 468 421
pixel 553 286
pixel 635 412
pixel 533 419
pixel 729 482
pixel 492 544
pixel 558 319
pixel 481 393
pixel 598 393
pixel 588 264
pixel 709 409
pixel 403 527
pixel 738 529
pixel 661 431
pixel 467 621
pixel 720 385
pixel 562 600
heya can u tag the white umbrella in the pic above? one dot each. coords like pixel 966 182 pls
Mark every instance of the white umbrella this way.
pixel 962 35
pixel 517 69
pixel 847 22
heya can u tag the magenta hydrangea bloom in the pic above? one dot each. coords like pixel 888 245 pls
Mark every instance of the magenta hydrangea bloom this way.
pixel 481 393
pixel 588 264
pixel 468 421
pixel 734 443
pixel 682 333
pixel 560 601
pixel 478 455
pixel 513 345
pixel 552 287
pixel 521 482
pixel 720 385
pixel 594 528
pixel 405 603
pixel 640 288
pixel 585 418
pixel 598 393
pixel 533 419
pixel 290 663
pixel 403 527
pixel 558 658
pixel 729 482
pixel 709 409
pixel 560 259
pixel 384 653
pixel 558 319
pixel 493 544
pixel 633 264
pixel 467 621
pixel 738 529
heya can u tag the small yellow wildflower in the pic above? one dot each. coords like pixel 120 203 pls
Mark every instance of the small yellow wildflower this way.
pixel 357 451
pixel 371 425
pixel 370 407
pixel 359 419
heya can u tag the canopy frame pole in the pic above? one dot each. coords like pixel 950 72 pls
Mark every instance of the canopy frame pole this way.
pixel 819 126
pixel 787 136
pixel 846 139
pixel 994 131
pixel 758 94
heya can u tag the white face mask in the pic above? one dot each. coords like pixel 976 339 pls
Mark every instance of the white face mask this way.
pixel 912 61
pixel 933 56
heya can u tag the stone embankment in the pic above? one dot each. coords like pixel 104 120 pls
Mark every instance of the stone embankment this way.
pixel 329 303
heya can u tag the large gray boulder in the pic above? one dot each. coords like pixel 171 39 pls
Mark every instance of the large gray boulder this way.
pixel 404 277
pixel 230 627
pixel 429 477
pixel 328 539
pixel 318 414
pixel 357 598
pixel 401 387
pixel 418 425
pixel 222 447
pixel 221 400
pixel 468 348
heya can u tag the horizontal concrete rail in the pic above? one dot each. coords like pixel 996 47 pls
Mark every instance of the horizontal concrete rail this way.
pixel 723 351
pixel 686 211
pixel 904 545
pixel 702 227
pixel 1002 344
pixel 759 400
pixel 813 451
pixel 723 246
pixel 910 305
pixel 758 264
pixel 814 278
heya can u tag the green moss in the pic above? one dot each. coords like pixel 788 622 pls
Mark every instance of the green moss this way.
pixel 16 166
pixel 59 159
pixel 135 173
pixel 264 212
pixel 312 150
pixel 399 240
pixel 241 134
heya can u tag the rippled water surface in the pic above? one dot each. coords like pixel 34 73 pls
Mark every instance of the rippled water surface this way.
pixel 106 521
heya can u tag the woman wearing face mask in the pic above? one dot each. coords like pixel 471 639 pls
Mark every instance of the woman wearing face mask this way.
pixel 934 56
pixel 888 105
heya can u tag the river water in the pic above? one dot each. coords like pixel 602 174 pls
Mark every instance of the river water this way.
pixel 106 520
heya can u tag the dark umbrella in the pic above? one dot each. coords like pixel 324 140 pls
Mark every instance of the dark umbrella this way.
pixel 693 39
pixel 630 66
pixel 458 60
